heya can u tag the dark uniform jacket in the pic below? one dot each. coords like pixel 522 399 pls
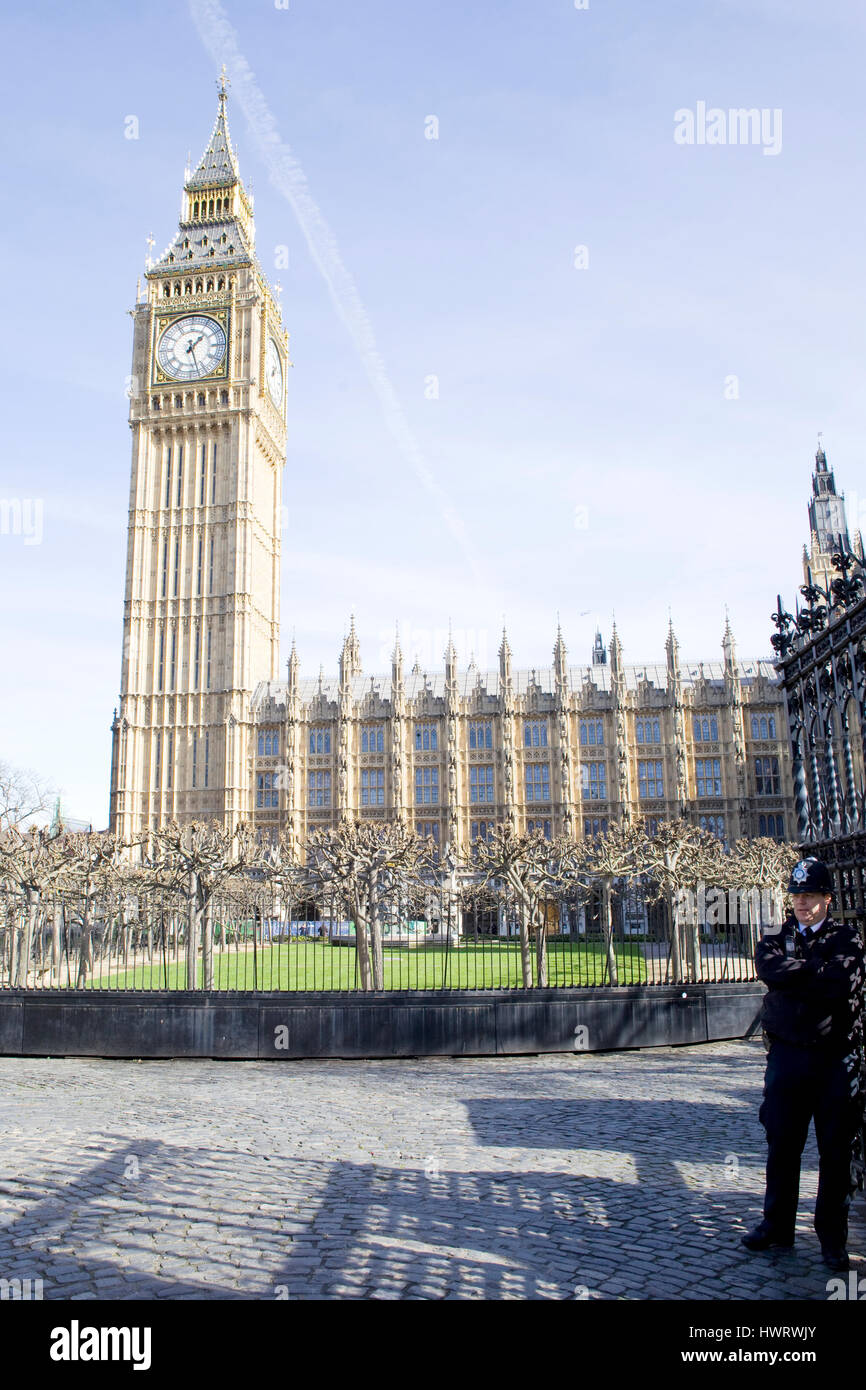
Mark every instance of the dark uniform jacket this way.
pixel 814 986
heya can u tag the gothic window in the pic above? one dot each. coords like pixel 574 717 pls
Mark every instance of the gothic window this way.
pixel 537 781
pixel 166 291
pixel 178 400
pixel 197 655
pixel 542 825
pixel 177 282
pixel 164 567
pixel 426 737
pixel 767 776
pixel 480 829
pixel 320 740
pixel 194 758
pixel 772 826
pixel 763 726
pixel 481 782
pixel 591 731
pixel 169 761
pixel 187 289
pixel 429 830
pixel 372 738
pixel 705 728
pixel 648 731
pixel 209 635
pixel 267 791
pixel 161 659
pixel 176 567
pixel 156 762
pixel 206 758
pixel 156 403
pixel 708 774
pixel 535 733
pixel 200 399
pixel 319 788
pixel 593 777
pixel 199 286
pixel 652 825
pixel 168 478
pixel 427 786
pixel 210 567
pixel 481 733
pixel 650 779
pixel 213 475
pixel 372 786
pixel 269 743
pixel 596 825
pixel 221 284
pixel 198 566
pixel 224 397
pixel 195 208
pixel 715 825
pixel 173 658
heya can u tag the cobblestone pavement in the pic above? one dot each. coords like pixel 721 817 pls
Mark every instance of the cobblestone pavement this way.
pixel 602 1176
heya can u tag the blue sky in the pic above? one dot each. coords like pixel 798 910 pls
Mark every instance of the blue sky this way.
pixel 596 458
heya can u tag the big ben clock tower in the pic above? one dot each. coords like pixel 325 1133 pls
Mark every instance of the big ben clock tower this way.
pixel 207 414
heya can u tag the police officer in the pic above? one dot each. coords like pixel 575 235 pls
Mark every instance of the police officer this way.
pixel 812 1016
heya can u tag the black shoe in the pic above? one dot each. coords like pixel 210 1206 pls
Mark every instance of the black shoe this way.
pixel 835 1257
pixel 763 1237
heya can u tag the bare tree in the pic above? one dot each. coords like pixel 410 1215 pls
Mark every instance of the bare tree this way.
pixel 23 795
pixel 359 863
pixel 31 862
pixel 531 867
pixel 620 853
pixel 679 855
pixel 196 860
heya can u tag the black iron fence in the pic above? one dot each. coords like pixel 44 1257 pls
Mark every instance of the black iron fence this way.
pixel 134 945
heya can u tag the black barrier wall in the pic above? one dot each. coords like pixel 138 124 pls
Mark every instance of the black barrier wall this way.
pixel 415 1024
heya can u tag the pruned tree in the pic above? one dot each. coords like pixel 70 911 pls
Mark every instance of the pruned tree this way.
pixel 31 862
pixel 761 864
pixel 679 856
pixel 533 870
pixel 620 853
pixel 196 860
pixel 359 863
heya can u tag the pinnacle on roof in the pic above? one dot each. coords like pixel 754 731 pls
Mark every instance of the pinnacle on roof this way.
pixel 820 456
pixel 219 162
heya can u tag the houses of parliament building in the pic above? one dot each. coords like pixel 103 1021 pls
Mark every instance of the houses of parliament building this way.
pixel 205 726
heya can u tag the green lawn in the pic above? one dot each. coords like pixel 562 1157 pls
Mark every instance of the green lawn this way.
pixel 316 965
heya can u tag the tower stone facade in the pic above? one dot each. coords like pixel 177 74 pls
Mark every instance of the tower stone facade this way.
pixel 828 526
pixel 205 728
pixel 207 415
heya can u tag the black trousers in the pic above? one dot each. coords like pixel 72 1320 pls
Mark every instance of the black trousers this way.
pixel 800 1084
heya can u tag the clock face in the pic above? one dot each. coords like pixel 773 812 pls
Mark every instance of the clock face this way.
pixel 274 372
pixel 191 347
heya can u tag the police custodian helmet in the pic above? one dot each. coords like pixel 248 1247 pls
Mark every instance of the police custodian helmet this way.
pixel 810 876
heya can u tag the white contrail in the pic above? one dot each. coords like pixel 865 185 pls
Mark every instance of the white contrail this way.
pixel 220 40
